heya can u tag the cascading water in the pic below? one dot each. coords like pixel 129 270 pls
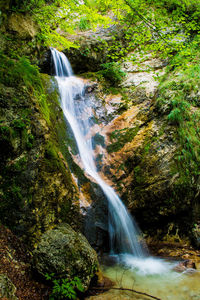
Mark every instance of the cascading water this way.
pixel 123 230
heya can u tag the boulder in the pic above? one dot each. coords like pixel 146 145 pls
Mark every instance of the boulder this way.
pixel 186 265
pixel 67 254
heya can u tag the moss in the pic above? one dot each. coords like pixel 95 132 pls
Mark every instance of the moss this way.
pixel 36 187
pixel 179 100
pixel 98 139
pixel 44 107
pixel 120 137
pixel 139 176
pixel 19 72
pixel 99 161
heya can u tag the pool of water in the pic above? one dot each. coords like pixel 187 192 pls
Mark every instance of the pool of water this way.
pixel 153 276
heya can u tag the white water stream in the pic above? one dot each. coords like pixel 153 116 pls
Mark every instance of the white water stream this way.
pixel 123 231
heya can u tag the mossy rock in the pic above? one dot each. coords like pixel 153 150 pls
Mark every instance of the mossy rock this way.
pixel 67 254
pixel 37 189
pixel 7 288
pixel 22 25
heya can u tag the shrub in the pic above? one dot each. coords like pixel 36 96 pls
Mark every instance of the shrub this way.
pixel 112 72
pixel 84 24
pixel 64 288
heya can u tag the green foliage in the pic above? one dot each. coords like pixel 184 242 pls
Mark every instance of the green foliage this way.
pixel 64 288
pixel 147 24
pixel 62 14
pixel 84 24
pixel 179 96
pixel 18 124
pixel 112 72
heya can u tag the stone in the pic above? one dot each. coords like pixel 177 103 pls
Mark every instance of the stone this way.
pixel 185 265
pixel 24 26
pixel 65 253
pixel 7 288
pixel 143 74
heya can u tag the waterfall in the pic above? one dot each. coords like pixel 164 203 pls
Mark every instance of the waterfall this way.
pixel 123 231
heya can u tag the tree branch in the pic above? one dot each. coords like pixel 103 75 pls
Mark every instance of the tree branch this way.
pixel 125 289
pixel 146 21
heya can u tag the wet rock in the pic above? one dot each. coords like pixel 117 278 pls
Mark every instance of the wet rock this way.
pixel 7 288
pixel 90 87
pixel 65 253
pixel 45 63
pixel 96 222
pixel 185 266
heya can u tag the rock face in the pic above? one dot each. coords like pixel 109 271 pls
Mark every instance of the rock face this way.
pixel 65 253
pixel 23 26
pixel 139 152
pixel 37 189
pixel 94 48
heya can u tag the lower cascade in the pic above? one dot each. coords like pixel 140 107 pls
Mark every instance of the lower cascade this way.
pixel 123 232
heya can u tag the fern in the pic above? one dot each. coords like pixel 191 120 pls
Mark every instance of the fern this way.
pixel 64 288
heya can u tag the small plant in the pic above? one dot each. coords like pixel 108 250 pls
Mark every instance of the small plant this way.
pixel 64 288
pixel 112 72
pixel 84 24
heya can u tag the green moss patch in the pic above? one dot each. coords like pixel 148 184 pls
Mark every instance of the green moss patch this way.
pixel 120 137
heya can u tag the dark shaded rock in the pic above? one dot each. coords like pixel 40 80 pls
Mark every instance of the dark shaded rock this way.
pixel 96 222
pixel 65 253
pixel 46 63
pixel 4 4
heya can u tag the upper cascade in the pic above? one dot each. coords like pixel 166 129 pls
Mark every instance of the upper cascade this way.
pixel 125 236
pixel 62 65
